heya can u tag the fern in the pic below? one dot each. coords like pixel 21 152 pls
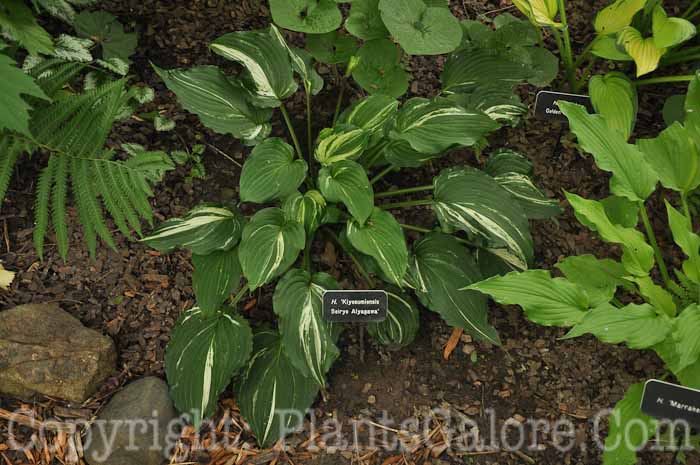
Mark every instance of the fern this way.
pixel 41 207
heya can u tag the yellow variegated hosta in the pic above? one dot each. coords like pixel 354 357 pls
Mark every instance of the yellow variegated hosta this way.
pixel 644 52
pixel 617 16
pixel 540 12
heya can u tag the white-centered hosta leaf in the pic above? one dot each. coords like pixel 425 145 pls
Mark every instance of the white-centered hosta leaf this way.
pixel 638 326
pixel 632 178
pixel 266 60
pixel 308 209
pixel 400 327
pixel 203 230
pixel 365 21
pixel 686 336
pixel 494 100
pixel 310 16
pixel 600 278
pixel 271 172
pixel 615 97
pixel 219 102
pixel 643 50
pixel 302 63
pixel 469 68
pixel 440 267
pixel 381 237
pixel 400 154
pixel 273 395
pixel 669 32
pixel 202 356
pixel 540 12
pixel 687 240
pixel 637 255
pixel 346 181
pixel 617 16
pixel 370 113
pixel 469 200
pixel 308 339
pixel 378 69
pixel 215 276
pixel 504 161
pixel 532 201
pixel 545 300
pixel 270 244
pixel 629 429
pixel 342 142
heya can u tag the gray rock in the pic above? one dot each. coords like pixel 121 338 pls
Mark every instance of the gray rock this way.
pixel 47 351
pixel 134 427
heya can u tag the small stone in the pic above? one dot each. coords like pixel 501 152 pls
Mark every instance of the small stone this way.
pixel 519 418
pixel 366 388
pixel 468 348
pixel 371 400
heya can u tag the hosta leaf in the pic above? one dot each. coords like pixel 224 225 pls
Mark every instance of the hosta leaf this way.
pixel 440 268
pixel 432 126
pixel 18 22
pixel 657 296
pixel 105 29
pixel 504 161
pixel 467 199
pixel 365 22
pixel 540 12
pixel 495 100
pixel 340 143
pixel 674 157
pixel 271 172
pixel 400 154
pixel 632 177
pixel 215 276
pixel 203 230
pixel 13 85
pixel 644 52
pixel 379 69
pixel 401 324
pixel 609 48
pixel 687 240
pixel 637 255
pixel 266 60
pixel 273 392
pixel 307 209
pixel 600 278
pixel 669 32
pixel 346 182
pixel 532 201
pixel 615 97
pixel 381 237
pixel 219 102
pixel 308 339
pixel 545 300
pixel 629 429
pixel 202 357
pixel 472 67
pixel 419 28
pixel 310 16
pixel 332 48
pixel 638 326
pixel 617 16
pixel 370 113
pixel 674 109
pixel 621 211
pixel 686 336
pixel 545 66
pixel 270 244
pixel 302 64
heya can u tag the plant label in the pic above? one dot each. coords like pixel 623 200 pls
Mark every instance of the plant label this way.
pixel 671 402
pixel 355 306
pixel 546 107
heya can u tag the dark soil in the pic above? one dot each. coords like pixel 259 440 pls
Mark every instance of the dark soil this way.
pixel 135 295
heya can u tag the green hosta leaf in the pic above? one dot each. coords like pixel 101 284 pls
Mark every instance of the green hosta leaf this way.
pixel 346 182
pixel 419 28
pixel 644 52
pixel 532 201
pixel 439 269
pixel 14 84
pixel 370 113
pixel 340 143
pixel 18 22
pixel 308 339
pixel 379 69
pixel 540 12
pixel 202 357
pixel 467 199
pixel 310 16
pixel 686 336
pixel 215 276
pixel 219 102
pixel 632 177
pixel 381 237
pixel 629 429
pixel 365 21
pixel 621 211
pixel 504 161
pixel 400 154
pixel 271 172
pixel 639 326
pixel 302 64
pixel 401 324
pixel 273 390
pixel 472 67
pixel 615 97
pixel 687 240
pixel 637 256
pixel 203 230
pixel 332 48
pixel 657 296
pixel 669 32
pixel 617 16
pixel 266 59
pixel 308 209
pixel 674 109
pixel 599 278
pixel 674 157
pixel 495 100
pixel 270 244
pixel 545 300
pixel 609 48
pixel 545 66
pixel 105 29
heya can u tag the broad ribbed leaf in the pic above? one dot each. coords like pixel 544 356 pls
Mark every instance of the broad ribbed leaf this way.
pixel 540 12
pixel 608 47
pixel 615 97
pixel 657 296
pixel 600 278
pixel 669 32
pixel 106 30
pixel 365 21
pixel 370 113
pixel 203 230
pixel 270 244
pixel 616 16
pixel 219 102
pixel 332 48
pixel 310 16
pixel 467 199
pixel 644 52
pixel 629 429
pixel 266 60
pixel 472 67
pixel 621 211
pixel 687 240
pixel 401 324
pixel 202 356
pixel 686 336
pixel 307 209
pixel 379 70
pixel 504 161
pixel 532 201
pixel 381 237
pixel 632 177
pixel 215 276
pixel 637 255
pixel 495 100
pixel 342 142
pixel 308 339
pixel 545 300
pixel 13 85
pixel 273 392
pixel 346 182
pixel 400 154
pixel 439 269
pixel 271 172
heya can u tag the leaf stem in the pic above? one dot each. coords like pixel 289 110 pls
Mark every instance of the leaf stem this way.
pixel 309 136
pixel 409 203
pixel 565 49
pixel 339 102
pixel 409 190
pixel 654 244
pixel 665 79
pixel 306 260
pixel 237 298
pixel 292 133
pixel 382 173
pixel 582 57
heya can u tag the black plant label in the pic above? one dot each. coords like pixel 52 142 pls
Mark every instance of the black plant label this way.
pixel 355 306
pixel 546 107
pixel 671 402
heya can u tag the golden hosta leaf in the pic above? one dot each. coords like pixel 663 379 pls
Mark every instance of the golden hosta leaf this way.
pixel 540 12
pixel 645 53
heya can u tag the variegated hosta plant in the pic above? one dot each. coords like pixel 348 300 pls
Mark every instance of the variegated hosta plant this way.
pixel 623 301
pixel 332 190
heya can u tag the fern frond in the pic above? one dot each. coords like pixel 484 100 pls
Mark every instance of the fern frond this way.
pixel 84 189
pixel 107 190
pixel 82 202
pixel 10 150
pixel 41 208
pixel 121 194
pixel 53 73
pixel 58 204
